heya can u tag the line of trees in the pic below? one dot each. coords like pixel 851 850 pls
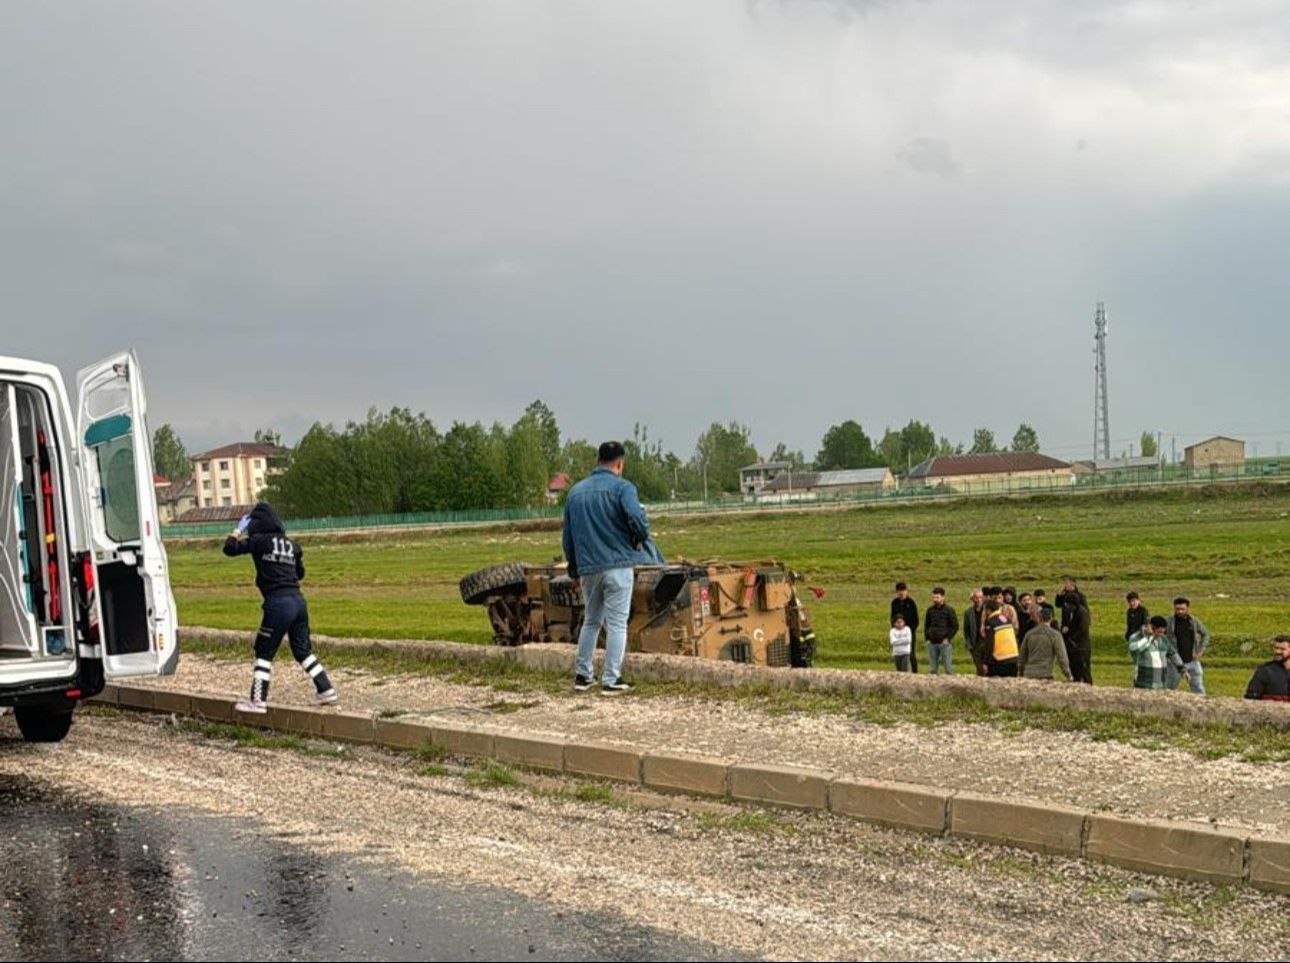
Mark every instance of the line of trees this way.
pixel 398 461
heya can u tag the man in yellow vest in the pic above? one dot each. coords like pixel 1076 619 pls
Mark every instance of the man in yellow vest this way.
pixel 1000 642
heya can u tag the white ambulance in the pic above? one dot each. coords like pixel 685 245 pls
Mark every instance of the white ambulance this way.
pixel 84 584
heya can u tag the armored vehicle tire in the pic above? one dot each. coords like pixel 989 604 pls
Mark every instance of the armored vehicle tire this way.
pixel 41 724
pixel 478 587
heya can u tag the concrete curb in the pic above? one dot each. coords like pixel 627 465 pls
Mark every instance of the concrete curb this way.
pixel 999 693
pixel 1196 851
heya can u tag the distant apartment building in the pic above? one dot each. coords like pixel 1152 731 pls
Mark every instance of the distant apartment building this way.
pixel 233 475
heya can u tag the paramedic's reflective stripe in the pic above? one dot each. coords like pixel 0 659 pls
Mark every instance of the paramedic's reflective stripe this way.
pixel 89 651
pixel 263 664
pixel 312 666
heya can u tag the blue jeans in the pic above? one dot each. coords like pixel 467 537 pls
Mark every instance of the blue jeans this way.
pixel 1195 676
pixel 608 598
pixel 938 652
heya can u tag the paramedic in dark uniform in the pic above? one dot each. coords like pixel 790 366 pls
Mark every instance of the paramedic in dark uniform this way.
pixel 279 567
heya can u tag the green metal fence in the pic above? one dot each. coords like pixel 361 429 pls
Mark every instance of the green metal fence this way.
pixel 1163 477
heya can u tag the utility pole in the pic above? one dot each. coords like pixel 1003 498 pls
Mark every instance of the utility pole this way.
pixel 1101 407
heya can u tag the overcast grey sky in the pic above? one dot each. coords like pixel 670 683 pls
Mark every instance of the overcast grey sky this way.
pixel 786 213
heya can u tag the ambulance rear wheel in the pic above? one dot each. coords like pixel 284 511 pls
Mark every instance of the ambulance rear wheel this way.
pixel 42 724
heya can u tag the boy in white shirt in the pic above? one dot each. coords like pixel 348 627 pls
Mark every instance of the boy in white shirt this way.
pixel 902 642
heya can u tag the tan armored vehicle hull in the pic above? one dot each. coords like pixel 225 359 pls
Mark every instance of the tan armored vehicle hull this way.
pixel 735 611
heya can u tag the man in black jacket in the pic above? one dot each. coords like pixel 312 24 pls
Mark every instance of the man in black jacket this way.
pixel 974 629
pixel 907 609
pixel 1271 680
pixel 940 625
pixel 1046 609
pixel 1025 616
pixel 1076 629
pixel 279 567
pixel 1135 616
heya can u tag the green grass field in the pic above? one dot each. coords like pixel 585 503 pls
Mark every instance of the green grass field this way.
pixel 1228 550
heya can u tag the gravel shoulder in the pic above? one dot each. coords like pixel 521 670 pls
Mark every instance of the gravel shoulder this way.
pixel 1065 767
pixel 785 886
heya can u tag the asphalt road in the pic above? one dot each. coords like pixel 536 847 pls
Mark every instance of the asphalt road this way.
pixel 99 882
pixel 143 838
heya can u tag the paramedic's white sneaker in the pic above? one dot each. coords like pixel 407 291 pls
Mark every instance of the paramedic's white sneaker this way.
pixel 323 698
pixel 252 705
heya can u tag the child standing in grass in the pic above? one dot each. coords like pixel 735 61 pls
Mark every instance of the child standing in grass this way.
pixel 902 643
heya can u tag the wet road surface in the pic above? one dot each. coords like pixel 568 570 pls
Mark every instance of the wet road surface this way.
pixel 110 883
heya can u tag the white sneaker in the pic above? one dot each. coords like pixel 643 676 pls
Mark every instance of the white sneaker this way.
pixel 323 698
pixel 251 705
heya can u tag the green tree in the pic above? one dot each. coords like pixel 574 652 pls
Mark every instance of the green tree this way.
pixel 919 442
pixel 720 452
pixel 1025 439
pixel 577 458
pixel 405 445
pixel 317 482
pixel 795 459
pixel 846 446
pixel 903 449
pixel 470 472
pixel 168 454
pixel 549 429
pixel 268 436
pixel 528 469
pixel 1149 447
pixel 983 442
pixel 380 465
pixel 647 466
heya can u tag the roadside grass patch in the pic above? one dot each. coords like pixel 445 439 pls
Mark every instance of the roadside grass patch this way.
pixel 491 774
pixel 428 752
pixel 594 792
pixel 251 738
pixel 756 821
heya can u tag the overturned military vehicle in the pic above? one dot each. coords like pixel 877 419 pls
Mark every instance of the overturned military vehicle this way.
pixel 736 611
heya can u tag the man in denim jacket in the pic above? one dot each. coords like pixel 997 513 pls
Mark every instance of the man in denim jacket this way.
pixel 606 535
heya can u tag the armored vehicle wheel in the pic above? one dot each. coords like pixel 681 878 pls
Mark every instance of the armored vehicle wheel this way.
pixel 478 587
pixel 41 724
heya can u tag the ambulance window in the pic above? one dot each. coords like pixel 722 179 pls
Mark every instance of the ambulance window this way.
pixel 108 399
pixel 120 491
